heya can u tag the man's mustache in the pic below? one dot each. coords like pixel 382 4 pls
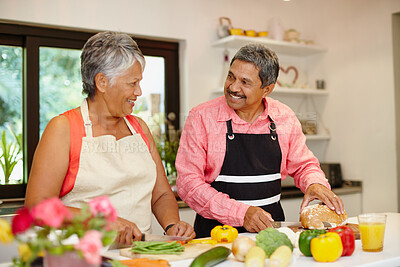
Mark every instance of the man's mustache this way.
pixel 235 94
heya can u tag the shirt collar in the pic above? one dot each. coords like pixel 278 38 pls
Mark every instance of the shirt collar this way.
pixel 226 113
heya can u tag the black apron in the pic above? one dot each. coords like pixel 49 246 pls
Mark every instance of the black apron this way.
pixel 250 174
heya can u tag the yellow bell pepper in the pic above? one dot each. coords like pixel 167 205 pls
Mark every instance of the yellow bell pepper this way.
pixel 224 233
pixel 24 251
pixel 326 247
pixel 6 235
pixel 203 241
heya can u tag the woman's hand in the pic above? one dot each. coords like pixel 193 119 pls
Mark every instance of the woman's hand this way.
pixel 182 228
pixel 126 231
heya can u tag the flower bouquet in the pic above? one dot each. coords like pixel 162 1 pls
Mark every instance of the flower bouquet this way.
pixel 50 229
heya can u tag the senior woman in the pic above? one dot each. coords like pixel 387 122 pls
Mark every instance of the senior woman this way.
pixel 99 148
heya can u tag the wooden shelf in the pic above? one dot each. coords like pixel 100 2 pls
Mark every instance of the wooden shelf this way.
pixel 299 91
pixel 317 137
pixel 285 90
pixel 280 47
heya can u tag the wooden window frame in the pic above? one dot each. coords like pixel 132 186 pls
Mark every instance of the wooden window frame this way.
pixel 30 38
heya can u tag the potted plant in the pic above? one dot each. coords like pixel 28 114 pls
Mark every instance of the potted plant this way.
pixel 11 152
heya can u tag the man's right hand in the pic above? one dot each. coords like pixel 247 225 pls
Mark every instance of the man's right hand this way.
pixel 257 219
pixel 126 231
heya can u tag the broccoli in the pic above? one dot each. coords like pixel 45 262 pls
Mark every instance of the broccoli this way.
pixel 270 239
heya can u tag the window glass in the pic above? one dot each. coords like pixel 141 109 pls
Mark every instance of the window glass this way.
pixel 150 105
pixel 11 169
pixel 60 82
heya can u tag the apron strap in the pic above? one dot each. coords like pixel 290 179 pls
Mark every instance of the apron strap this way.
pixel 88 123
pixel 231 136
pixel 272 127
pixel 129 126
pixel 86 120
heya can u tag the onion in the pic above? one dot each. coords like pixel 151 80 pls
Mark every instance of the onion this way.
pixel 241 246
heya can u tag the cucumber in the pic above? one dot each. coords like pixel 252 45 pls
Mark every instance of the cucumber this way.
pixel 211 257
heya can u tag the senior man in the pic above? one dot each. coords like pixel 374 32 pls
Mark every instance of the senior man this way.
pixel 235 150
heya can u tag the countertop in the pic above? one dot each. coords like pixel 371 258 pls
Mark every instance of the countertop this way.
pixel 390 256
pixel 291 192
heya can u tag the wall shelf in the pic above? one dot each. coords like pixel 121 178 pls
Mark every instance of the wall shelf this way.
pixel 317 137
pixel 298 91
pixel 280 47
pixel 285 90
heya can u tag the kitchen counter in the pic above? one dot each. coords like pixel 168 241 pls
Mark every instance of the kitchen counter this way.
pixel 292 192
pixel 390 256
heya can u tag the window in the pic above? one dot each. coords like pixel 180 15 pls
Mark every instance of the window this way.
pixel 40 78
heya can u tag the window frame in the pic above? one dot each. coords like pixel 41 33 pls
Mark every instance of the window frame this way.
pixel 31 38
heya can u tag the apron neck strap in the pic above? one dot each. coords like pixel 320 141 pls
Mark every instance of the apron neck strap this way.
pixel 86 120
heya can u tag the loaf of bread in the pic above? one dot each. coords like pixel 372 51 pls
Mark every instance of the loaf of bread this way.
pixel 313 216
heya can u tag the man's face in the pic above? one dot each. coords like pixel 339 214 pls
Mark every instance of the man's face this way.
pixel 242 89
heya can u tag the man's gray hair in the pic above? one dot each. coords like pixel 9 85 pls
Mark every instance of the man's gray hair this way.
pixel 110 53
pixel 265 60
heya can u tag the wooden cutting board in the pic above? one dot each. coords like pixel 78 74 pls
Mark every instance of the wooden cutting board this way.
pixel 191 251
pixel 353 226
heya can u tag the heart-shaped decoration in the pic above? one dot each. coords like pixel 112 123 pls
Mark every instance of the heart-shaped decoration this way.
pixel 296 75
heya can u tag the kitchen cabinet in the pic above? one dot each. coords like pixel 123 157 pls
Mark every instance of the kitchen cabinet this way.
pixel 307 102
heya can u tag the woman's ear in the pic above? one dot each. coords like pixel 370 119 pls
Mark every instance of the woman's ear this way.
pixel 268 89
pixel 101 82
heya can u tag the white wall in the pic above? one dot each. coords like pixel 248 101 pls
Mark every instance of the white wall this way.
pixel 358 67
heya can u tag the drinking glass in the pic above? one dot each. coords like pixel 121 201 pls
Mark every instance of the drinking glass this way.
pixel 372 231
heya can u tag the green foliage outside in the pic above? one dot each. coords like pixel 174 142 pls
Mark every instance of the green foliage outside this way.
pixel 167 144
pixel 11 154
pixel 60 90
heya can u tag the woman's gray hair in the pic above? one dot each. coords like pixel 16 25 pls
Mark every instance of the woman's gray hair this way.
pixel 265 60
pixel 110 53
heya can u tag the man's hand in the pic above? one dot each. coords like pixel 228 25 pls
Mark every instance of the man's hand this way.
pixel 318 191
pixel 126 231
pixel 257 219
pixel 182 228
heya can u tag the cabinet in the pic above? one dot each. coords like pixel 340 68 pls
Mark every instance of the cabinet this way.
pixel 307 102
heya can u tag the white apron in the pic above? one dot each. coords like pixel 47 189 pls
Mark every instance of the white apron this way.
pixel 121 169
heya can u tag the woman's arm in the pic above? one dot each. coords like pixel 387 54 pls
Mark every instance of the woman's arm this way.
pixel 163 202
pixel 50 162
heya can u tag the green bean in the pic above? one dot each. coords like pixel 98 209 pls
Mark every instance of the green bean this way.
pixel 154 247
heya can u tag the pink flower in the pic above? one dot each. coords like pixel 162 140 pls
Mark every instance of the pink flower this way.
pixel 102 205
pixel 22 221
pixel 90 245
pixel 51 212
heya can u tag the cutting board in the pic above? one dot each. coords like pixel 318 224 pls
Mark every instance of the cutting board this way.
pixel 353 227
pixel 191 251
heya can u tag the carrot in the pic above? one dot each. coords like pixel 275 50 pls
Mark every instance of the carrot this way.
pixel 145 262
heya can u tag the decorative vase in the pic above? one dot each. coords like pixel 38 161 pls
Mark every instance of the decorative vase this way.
pixel 69 258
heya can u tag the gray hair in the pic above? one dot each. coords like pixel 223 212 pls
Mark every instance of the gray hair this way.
pixel 110 53
pixel 265 60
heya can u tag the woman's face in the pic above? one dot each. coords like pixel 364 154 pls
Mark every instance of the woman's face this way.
pixel 120 96
pixel 243 90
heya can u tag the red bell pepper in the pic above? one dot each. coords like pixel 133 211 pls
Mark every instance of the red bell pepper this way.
pixel 348 239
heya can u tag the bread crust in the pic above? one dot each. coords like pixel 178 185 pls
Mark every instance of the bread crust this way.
pixel 313 216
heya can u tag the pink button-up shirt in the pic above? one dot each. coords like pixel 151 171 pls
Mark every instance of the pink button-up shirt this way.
pixel 202 151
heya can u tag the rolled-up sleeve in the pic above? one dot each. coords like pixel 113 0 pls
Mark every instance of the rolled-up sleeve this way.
pixel 195 173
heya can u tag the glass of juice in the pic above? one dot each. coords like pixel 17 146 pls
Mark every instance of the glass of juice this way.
pixel 372 231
